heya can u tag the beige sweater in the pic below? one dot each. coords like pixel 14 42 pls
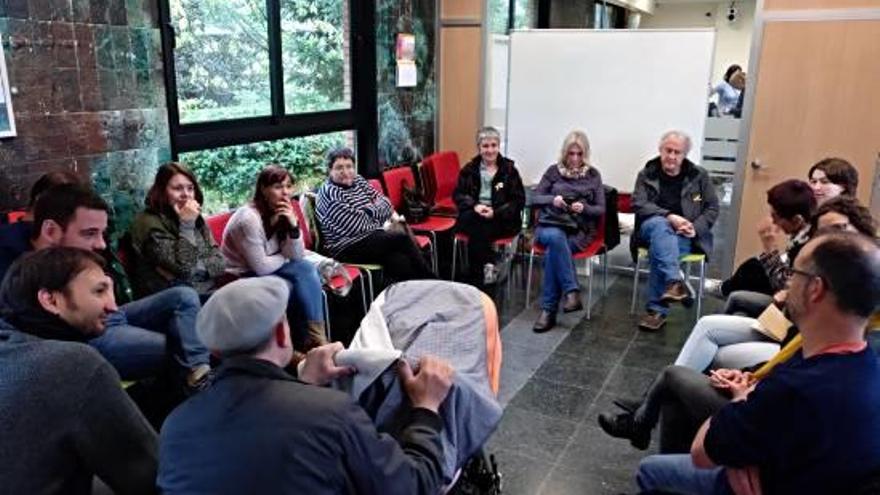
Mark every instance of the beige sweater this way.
pixel 247 250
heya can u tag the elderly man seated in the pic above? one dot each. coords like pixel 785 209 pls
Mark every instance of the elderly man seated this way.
pixel 258 429
pixel 675 206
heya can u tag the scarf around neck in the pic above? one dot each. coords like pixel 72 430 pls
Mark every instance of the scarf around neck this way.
pixel 44 325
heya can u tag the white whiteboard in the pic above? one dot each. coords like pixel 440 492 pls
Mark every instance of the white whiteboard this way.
pixel 624 88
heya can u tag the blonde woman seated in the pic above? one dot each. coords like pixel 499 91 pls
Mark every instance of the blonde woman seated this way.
pixel 263 238
pixel 571 200
pixel 170 239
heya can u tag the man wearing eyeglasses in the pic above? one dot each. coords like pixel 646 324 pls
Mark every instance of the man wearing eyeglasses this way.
pixel 811 425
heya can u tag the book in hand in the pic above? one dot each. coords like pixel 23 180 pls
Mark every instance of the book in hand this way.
pixel 772 323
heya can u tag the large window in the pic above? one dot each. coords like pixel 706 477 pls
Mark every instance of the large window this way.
pixel 267 71
pixel 227 175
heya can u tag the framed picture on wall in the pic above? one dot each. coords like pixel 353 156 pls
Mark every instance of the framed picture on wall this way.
pixel 7 119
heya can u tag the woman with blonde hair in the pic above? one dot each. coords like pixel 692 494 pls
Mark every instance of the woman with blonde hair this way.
pixel 571 201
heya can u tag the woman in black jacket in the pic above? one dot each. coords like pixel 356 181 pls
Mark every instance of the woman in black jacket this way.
pixel 490 200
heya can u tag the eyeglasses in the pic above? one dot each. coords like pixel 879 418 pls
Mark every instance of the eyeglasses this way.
pixel 791 271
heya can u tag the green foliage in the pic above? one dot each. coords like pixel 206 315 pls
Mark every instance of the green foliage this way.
pixel 227 175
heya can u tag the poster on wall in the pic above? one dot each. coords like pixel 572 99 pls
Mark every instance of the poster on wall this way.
pixel 405 52
pixel 7 120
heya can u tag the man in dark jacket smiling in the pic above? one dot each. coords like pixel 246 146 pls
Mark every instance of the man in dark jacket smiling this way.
pixel 675 205
pixel 258 429
pixel 64 417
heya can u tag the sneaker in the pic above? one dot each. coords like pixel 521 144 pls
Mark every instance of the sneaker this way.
pixel 199 378
pixel 676 291
pixel 713 288
pixel 652 321
pixel 490 274
pixel 624 426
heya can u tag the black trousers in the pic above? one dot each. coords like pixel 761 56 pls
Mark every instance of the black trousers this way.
pixel 750 276
pixel 481 233
pixel 681 399
pixel 400 258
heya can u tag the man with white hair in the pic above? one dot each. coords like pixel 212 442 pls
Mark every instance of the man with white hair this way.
pixel 257 429
pixel 675 206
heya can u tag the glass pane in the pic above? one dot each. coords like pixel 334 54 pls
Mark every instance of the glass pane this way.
pixel 406 115
pixel 221 59
pixel 315 55
pixel 525 14
pixel 227 175
pixel 499 14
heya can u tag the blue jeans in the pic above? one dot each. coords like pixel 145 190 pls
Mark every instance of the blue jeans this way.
pixel 140 335
pixel 676 473
pixel 560 276
pixel 664 249
pixel 306 302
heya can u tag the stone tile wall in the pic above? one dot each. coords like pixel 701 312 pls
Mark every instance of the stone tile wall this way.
pixel 88 95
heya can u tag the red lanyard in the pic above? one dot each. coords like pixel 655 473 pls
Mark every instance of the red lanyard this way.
pixel 843 348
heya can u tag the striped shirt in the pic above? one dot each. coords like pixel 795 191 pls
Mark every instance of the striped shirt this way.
pixel 347 215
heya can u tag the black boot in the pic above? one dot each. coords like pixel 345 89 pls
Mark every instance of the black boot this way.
pixel 545 322
pixel 623 426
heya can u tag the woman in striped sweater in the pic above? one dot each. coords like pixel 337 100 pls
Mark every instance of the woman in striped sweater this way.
pixel 352 216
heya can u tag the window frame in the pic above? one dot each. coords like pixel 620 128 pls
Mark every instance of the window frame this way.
pixel 361 116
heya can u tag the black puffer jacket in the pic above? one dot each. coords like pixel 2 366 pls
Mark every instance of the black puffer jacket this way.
pixel 508 195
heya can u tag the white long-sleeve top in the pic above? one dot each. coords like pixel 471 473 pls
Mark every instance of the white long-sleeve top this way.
pixel 247 250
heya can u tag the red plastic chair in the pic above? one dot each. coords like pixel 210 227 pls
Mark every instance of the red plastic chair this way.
pixel 440 176
pixel 595 248
pixel 395 179
pixel 15 216
pixel 508 244
pixel 217 224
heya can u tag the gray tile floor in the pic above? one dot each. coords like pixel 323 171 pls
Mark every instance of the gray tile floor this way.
pixel 555 384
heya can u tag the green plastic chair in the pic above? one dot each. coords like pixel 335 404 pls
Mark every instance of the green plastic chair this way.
pixel 688 260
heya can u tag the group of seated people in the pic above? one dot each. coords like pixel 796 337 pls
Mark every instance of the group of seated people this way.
pixel 790 416
pixel 744 411
pixel 71 330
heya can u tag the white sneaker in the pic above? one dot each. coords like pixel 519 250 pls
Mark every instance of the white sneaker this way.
pixel 490 274
pixel 713 288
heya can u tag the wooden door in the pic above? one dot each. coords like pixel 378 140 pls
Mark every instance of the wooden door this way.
pixel 816 95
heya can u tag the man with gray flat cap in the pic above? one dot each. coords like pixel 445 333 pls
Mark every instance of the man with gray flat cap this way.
pixel 257 429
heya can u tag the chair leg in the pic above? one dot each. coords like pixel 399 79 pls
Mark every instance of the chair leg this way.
pixel 454 257
pixel 327 316
pixel 364 297
pixel 605 273
pixel 635 294
pixel 589 264
pixel 700 289
pixel 529 278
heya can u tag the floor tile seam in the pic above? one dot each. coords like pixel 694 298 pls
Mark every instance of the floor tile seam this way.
pixel 592 403
pixel 555 346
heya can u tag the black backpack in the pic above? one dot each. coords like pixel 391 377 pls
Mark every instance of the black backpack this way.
pixel 415 207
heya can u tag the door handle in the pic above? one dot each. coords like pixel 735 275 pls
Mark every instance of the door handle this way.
pixel 757 165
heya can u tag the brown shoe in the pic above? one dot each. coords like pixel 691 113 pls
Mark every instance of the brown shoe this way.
pixel 572 302
pixel 676 291
pixel 652 321
pixel 545 322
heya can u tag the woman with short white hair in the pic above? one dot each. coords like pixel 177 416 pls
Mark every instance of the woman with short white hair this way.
pixel 490 199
